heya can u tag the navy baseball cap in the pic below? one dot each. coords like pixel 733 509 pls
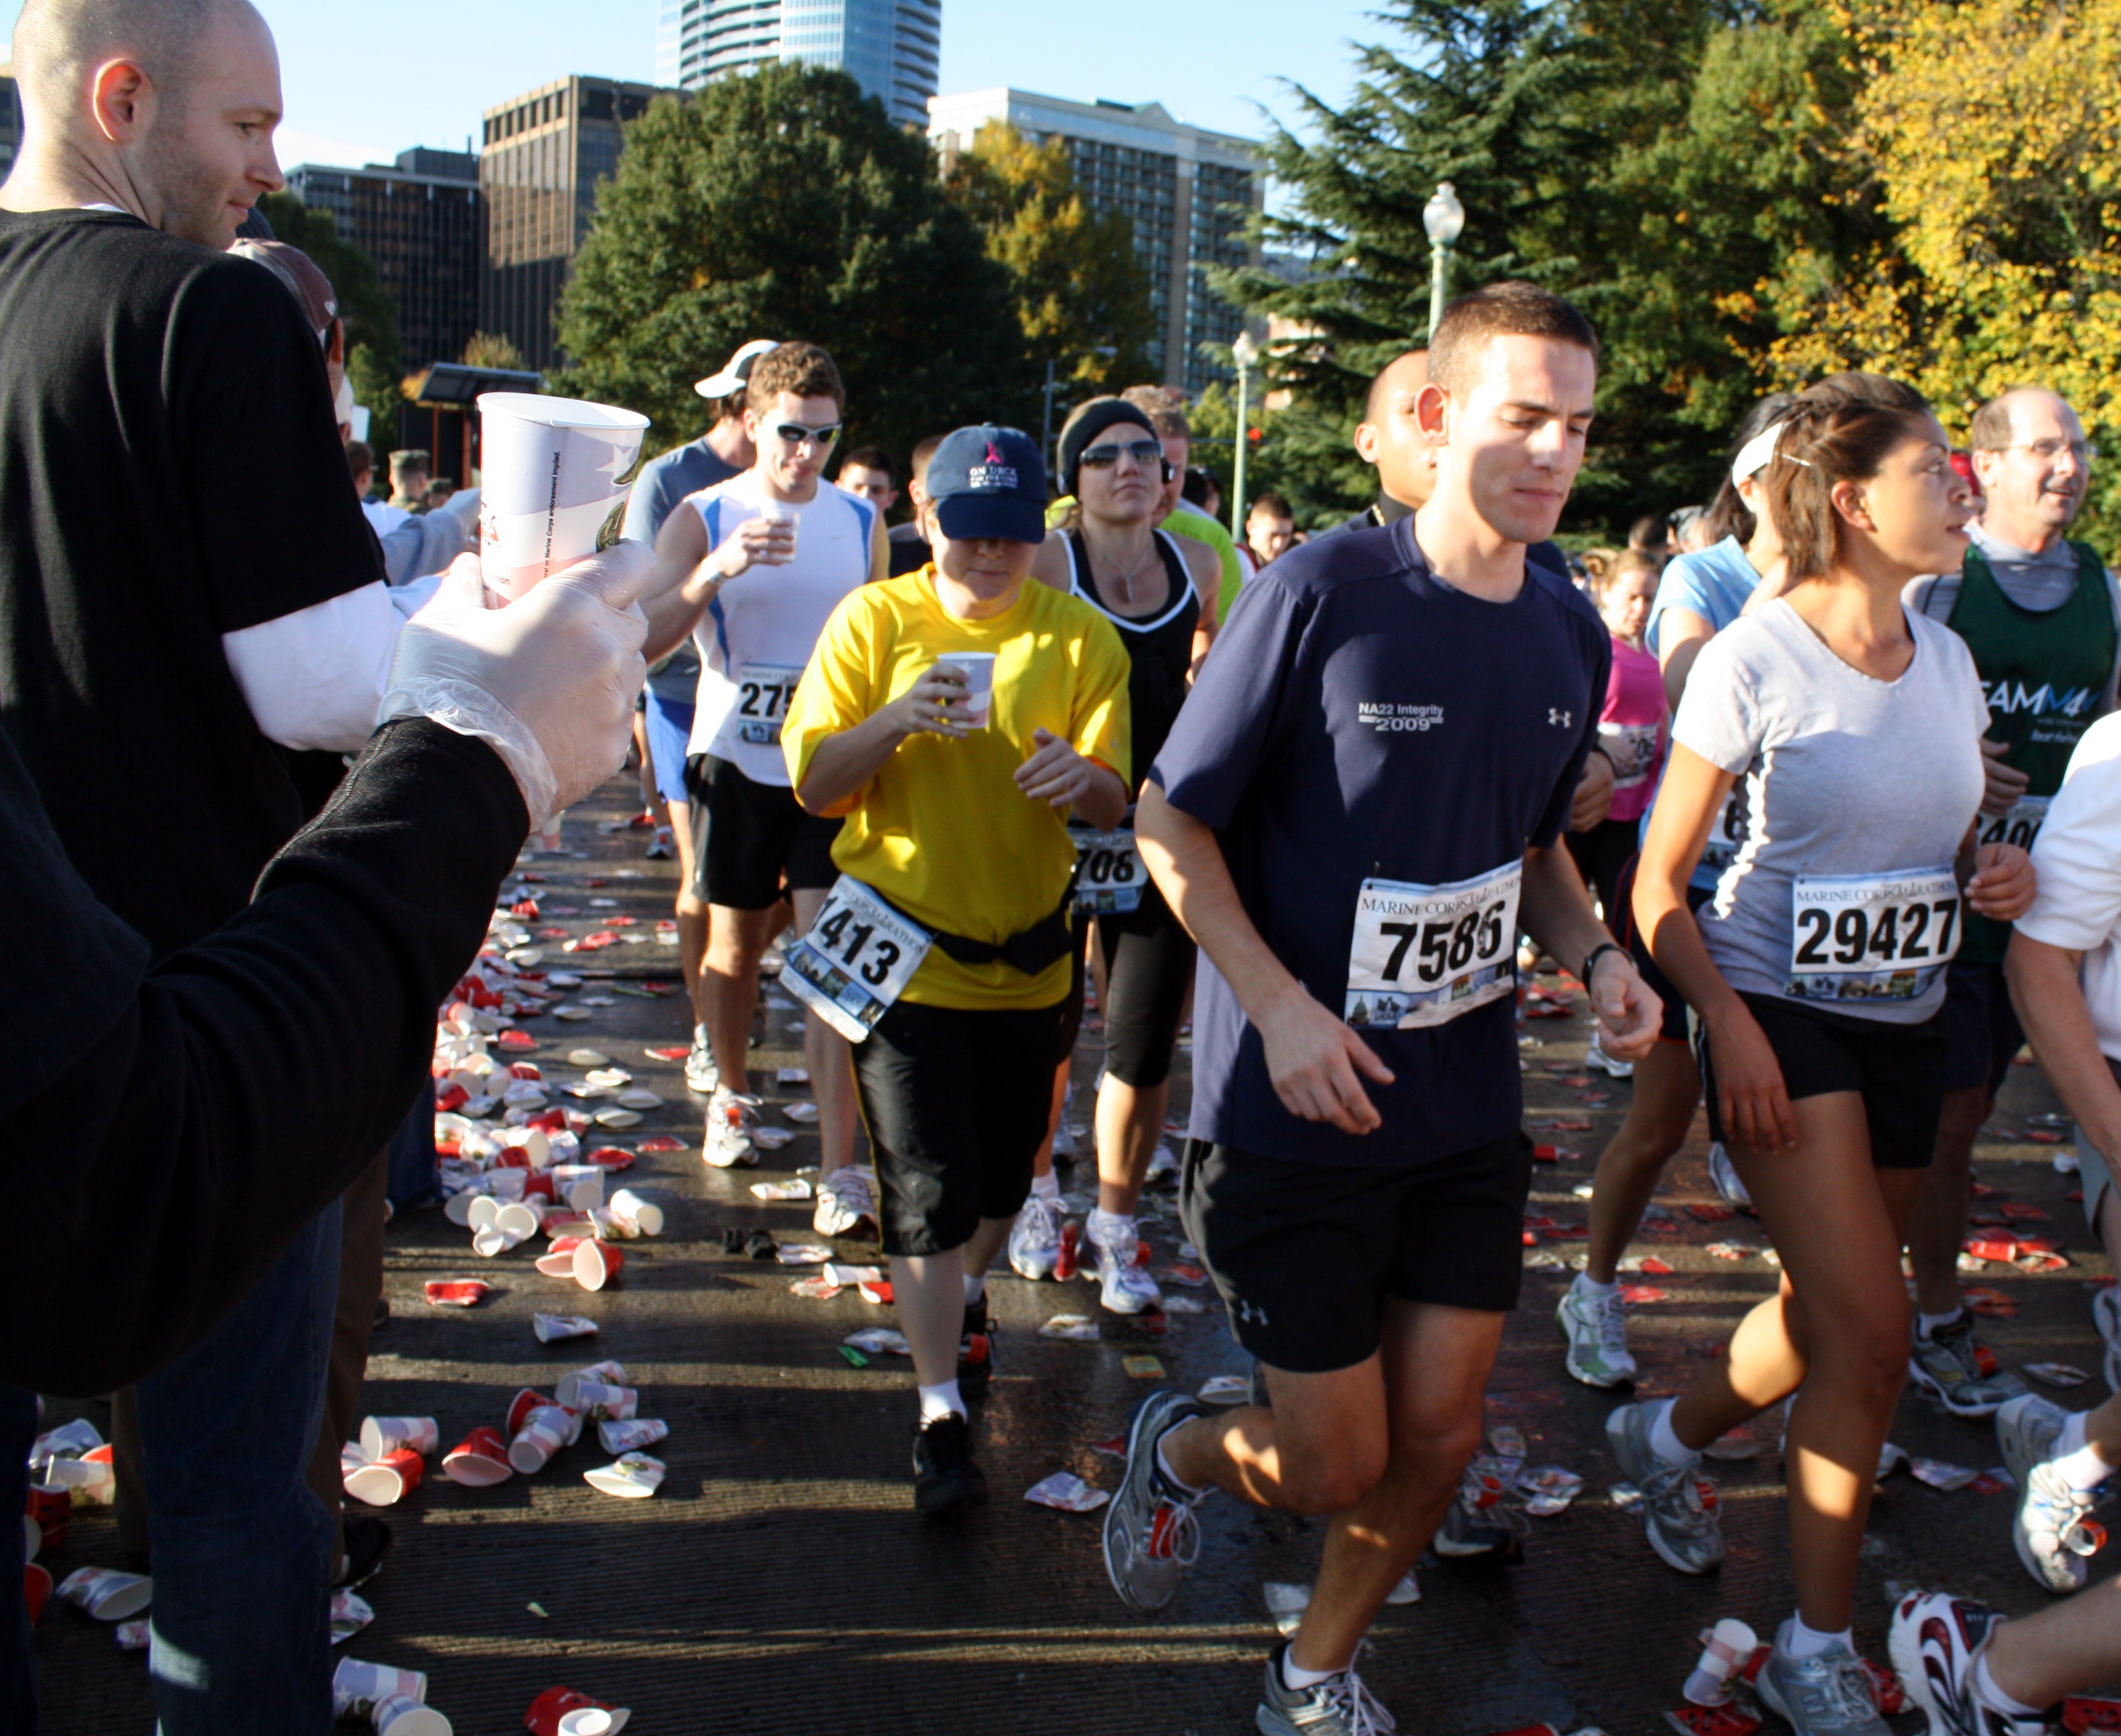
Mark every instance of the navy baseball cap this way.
pixel 988 482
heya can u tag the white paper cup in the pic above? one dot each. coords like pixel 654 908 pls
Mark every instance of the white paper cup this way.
pixel 482 1212
pixel 1729 1649
pixel 619 1403
pixel 544 1432
pixel 607 1373
pixel 979 678
pixel 581 1185
pixel 381 1436
pixel 457 1208
pixel 783 512
pixel 107 1594
pixel 550 469
pixel 493 1240
pixel 643 1216
pixel 357 1686
pixel 508 1182
pixel 403 1715
pixel 522 1218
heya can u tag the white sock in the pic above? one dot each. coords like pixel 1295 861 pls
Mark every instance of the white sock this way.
pixel 975 1288
pixel 2076 1459
pixel 1664 1443
pixel 1993 1697
pixel 941 1401
pixel 1588 1286
pixel 1809 1642
pixel 1928 1326
pixel 1046 1187
pixel 1178 1483
pixel 1296 1678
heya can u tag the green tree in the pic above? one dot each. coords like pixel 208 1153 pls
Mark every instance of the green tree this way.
pixel 493 349
pixel 1080 289
pixel 368 310
pixel 376 388
pixel 786 204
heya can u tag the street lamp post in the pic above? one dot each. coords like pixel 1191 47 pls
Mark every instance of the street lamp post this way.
pixel 1444 218
pixel 1245 352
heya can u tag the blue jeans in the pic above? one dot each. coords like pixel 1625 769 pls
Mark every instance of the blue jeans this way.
pixel 18 1678
pixel 241 1635
pixel 416 1177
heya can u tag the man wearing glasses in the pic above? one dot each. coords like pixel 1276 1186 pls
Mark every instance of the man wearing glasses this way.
pixel 756 565
pixel 2039 613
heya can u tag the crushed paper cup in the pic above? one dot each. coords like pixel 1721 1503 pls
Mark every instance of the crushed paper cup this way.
pixel 797 1189
pixel 621 1119
pixel 631 1477
pixel 1068 1492
pixel 879 1341
pixel 801 1113
pixel 132 1636
pixel 588 1058
pixel 640 1097
pixel 479 1461
pixel 1549 1490
pixel 358 1687
pixel 543 1433
pixel 403 1715
pixel 1225 1389
pixel 561 1711
pixel 1939 1474
pixel 550 470
pixel 107 1594
pixel 1081 1327
pixel 383 1435
pixel 771 1139
pixel 457 1292
pixel 37 1591
pixel 802 1254
pixel 632 1434
pixel 350 1612
pixel 837 1272
pixel 641 1216
pixel 492 1241
pixel 2059 1374
pixel 596 1263
pixel 384 1482
pixel 552 1329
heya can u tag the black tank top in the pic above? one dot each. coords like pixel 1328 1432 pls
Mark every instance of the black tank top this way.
pixel 1160 646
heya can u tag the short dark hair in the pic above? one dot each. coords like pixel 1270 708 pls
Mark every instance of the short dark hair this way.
pixel 922 454
pixel 1199 483
pixel 1273 506
pixel 411 462
pixel 1652 531
pixel 802 369
pixel 1507 310
pixel 1370 401
pixel 360 456
pixel 1838 430
pixel 1163 409
pixel 871 457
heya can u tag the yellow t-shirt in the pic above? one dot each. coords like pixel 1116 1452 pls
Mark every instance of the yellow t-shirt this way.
pixel 942 829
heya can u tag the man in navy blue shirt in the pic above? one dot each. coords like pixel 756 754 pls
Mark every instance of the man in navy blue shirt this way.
pixel 1358 808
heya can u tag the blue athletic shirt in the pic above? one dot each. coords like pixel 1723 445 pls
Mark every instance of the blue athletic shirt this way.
pixel 1361 719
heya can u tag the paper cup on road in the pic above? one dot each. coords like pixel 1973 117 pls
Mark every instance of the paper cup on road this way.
pixel 51 1507
pixel 493 1240
pixel 567 1390
pixel 481 1211
pixel 978 667
pixel 519 1408
pixel 511 1184
pixel 522 1218
pixel 385 1482
pixel 37 1591
pixel 543 1433
pixel 561 1711
pixel 384 1435
pixel 107 1594
pixel 403 1715
pixel 643 1217
pixel 619 1403
pixel 558 1261
pixel 479 1461
pixel 551 470
pixel 358 1687
pixel 457 1208
pixel 632 1436
pixel 634 1476
pixel 595 1264
pixel 581 1185
pixel 552 1329
pixel 1730 1648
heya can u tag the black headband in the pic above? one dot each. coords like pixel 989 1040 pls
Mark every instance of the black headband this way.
pixel 1097 416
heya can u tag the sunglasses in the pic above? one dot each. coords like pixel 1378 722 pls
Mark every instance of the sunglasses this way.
pixel 1103 458
pixel 795 434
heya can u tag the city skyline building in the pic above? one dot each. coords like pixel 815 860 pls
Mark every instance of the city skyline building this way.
pixel 422 222
pixel 1188 192
pixel 890 48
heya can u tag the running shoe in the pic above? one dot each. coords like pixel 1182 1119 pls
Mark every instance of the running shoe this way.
pixel 662 847
pixel 1958 1371
pixel 1477 1523
pixel 1151 1533
pixel 845 1202
pixel 1034 1239
pixel 701 1073
pixel 945 1477
pixel 1828 1694
pixel 976 1351
pixel 2053 1527
pixel 1340 1705
pixel 1597 1329
pixel 1596 1056
pixel 1125 1287
pixel 1680 1508
pixel 1163 1162
pixel 727 1142
pixel 1064 1141
pixel 1933 1643
pixel 1730 1186
pixel 2106 1316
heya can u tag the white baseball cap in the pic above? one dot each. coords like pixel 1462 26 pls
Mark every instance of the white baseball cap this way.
pixel 737 375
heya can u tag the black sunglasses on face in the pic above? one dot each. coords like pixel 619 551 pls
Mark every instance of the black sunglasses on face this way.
pixel 1103 458
pixel 794 434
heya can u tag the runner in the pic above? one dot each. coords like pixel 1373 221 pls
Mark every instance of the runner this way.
pixel 2039 614
pixel 1973 1672
pixel 1175 514
pixel 1355 871
pixel 1818 972
pixel 1631 734
pixel 764 558
pixel 1698 597
pixel 1151 587
pixel 956 717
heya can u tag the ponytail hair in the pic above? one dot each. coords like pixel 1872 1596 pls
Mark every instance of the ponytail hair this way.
pixel 1839 431
pixel 1728 514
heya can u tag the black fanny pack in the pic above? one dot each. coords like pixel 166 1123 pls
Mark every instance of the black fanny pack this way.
pixel 1030 950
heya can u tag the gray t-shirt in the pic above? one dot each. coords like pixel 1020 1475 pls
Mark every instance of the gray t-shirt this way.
pixel 1846 777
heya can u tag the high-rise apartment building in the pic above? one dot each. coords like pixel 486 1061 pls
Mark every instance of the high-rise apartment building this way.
pixel 423 223
pixel 543 154
pixel 1189 193
pixel 888 46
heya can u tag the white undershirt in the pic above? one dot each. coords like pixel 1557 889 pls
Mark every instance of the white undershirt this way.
pixel 315 679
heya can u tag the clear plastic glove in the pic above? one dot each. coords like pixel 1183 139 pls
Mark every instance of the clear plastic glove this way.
pixel 549 679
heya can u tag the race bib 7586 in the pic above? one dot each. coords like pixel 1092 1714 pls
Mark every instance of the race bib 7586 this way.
pixel 1425 955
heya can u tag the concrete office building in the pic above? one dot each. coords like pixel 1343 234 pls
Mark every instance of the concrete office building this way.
pixel 888 46
pixel 422 222
pixel 543 154
pixel 1188 192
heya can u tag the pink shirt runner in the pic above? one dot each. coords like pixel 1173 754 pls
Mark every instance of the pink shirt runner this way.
pixel 1633 729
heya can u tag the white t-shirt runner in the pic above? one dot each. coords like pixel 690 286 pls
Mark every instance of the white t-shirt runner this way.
pixel 1860 792
pixel 758 634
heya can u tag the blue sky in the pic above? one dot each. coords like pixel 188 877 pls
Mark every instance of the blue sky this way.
pixel 362 84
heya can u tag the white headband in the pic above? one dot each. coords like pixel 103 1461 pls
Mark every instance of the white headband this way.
pixel 1754 455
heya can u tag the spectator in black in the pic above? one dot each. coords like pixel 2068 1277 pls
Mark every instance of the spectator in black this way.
pixel 909 542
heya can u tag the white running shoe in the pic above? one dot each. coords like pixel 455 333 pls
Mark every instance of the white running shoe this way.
pixel 1729 1184
pixel 845 1202
pixel 1597 1329
pixel 1162 1161
pixel 727 1142
pixel 1596 1056
pixel 1125 1287
pixel 1034 1239
pixel 701 1073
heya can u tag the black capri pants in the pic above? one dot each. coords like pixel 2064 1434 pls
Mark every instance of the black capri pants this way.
pixel 1149 967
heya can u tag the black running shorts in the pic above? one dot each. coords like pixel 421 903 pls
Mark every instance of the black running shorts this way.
pixel 956 1102
pixel 747 837
pixel 1304 1254
pixel 1898 1069
pixel 1622 924
pixel 1981 1030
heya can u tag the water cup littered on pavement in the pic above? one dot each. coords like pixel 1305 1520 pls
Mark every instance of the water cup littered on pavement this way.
pixel 382 1435
pixel 633 1434
pixel 1729 1649
pixel 581 1185
pixel 596 1263
pixel 37 1591
pixel 403 1715
pixel 642 1216
pixel 493 1240
pixel 632 1476
pixel 50 1509
pixel 479 1461
pixel 550 468
pixel 567 1390
pixel 561 1711
pixel 618 1403
pixel 979 669
pixel 107 1594
pixel 558 1261
pixel 358 1687
pixel 552 1329
pixel 544 1431
pixel 385 1480
pixel 522 1218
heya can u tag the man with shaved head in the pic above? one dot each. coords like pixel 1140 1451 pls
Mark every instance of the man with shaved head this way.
pixel 1388 440
pixel 160 641
pixel 2039 613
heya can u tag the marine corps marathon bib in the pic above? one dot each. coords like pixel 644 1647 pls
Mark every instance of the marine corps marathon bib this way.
pixel 1425 955
pixel 1871 936
pixel 855 961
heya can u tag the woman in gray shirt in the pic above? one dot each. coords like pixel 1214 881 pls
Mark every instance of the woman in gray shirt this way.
pixel 1817 970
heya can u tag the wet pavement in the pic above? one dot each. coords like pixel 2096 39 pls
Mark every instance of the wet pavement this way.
pixel 780 1580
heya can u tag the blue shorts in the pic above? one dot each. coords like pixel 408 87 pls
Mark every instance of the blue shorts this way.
pixel 669 728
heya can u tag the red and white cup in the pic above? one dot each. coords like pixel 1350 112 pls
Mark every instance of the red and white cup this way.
pixel 358 1687
pixel 37 1591
pixel 1729 1648
pixel 550 469
pixel 385 1482
pixel 50 1507
pixel 537 1185
pixel 608 1371
pixel 558 1261
pixel 596 1263
pixel 479 1461
pixel 643 1217
pixel 544 1431
pixel 457 1292
pixel 618 1403
pixel 403 1715
pixel 521 1405
pixel 561 1711
pixel 384 1435
pixel 107 1594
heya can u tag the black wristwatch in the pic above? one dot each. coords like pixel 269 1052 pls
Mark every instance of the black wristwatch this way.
pixel 1596 953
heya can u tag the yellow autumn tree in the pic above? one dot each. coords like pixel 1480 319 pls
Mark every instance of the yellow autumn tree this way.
pixel 1989 132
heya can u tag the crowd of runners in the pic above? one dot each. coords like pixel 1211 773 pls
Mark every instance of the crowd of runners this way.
pixel 1823 814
